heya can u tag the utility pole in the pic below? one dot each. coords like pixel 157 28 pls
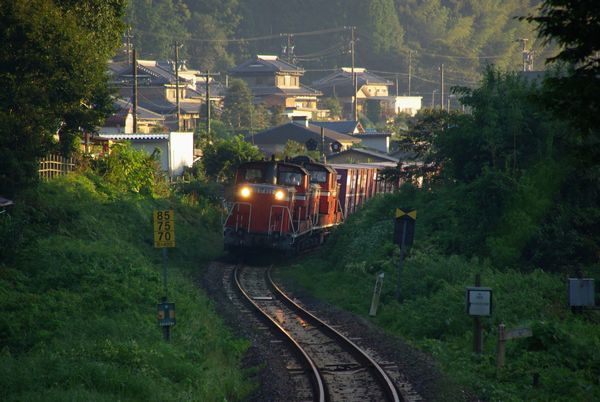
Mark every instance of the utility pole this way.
pixel 177 85
pixel 442 86
pixel 288 48
pixel 128 37
pixel 409 69
pixel 525 53
pixel 396 84
pixel 135 89
pixel 208 104
pixel 355 103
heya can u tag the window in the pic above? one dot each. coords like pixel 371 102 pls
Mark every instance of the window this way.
pixel 317 176
pixel 253 175
pixel 289 178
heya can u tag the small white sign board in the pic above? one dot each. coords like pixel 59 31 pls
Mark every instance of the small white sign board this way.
pixel 479 301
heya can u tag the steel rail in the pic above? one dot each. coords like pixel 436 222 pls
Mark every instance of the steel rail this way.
pixel 315 377
pixel 355 350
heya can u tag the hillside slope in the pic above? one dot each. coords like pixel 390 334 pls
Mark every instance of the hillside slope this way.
pixel 79 283
pixel 561 354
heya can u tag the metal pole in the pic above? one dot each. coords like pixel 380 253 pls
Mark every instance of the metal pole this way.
pixel 177 86
pixel 355 103
pixel 376 294
pixel 409 69
pixel 207 104
pixel 164 254
pixel 442 85
pixel 323 144
pixel 477 330
pixel 400 267
pixel 501 351
pixel 135 90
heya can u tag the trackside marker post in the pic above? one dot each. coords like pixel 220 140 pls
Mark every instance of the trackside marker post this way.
pixel 404 233
pixel 164 237
pixel 376 294
pixel 503 336
pixel 478 301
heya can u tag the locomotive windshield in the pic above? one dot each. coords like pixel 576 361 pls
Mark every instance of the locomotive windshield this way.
pixel 318 176
pixel 289 178
pixel 253 175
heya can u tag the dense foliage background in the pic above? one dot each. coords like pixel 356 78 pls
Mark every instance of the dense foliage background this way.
pixel 465 35
pixel 79 283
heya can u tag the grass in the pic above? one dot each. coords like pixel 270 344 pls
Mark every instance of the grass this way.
pixel 563 351
pixel 79 283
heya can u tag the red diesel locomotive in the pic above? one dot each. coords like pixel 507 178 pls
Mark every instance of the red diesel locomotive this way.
pixel 292 205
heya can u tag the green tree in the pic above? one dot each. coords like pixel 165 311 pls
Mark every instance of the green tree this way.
pixel 130 170
pixel 382 28
pixel 221 157
pixel 156 25
pixel 238 106
pixel 570 236
pixel 334 106
pixel 53 79
pixel 575 25
pixel 277 116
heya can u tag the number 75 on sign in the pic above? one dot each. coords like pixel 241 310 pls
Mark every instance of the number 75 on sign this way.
pixel 164 229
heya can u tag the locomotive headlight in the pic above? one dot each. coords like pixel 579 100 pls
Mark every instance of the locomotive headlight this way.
pixel 245 192
pixel 279 195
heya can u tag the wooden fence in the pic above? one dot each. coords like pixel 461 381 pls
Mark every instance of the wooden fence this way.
pixel 53 166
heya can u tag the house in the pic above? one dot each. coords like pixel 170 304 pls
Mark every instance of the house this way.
pixel 276 82
pixel 274 140
pixel 122 120
pixel 362 155
pixel 374 140
pixel 157 90
pixel 394 105
pixel 176 148
pixel 341 126
pixel 339 84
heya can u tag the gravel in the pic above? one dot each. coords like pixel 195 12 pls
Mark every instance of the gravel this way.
pixel 276 383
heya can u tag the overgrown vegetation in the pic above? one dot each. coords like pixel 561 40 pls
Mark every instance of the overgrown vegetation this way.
pixel 515 199
pixel 79 283
pixel 432 314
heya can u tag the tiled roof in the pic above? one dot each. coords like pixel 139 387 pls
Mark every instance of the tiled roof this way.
pixel 142 113
pixel 339 83
pixel 263 65
pixel 164 107
pixel 341 126
pixel 157 72
pixel 298 132
pixel 368 152
pixel 265 90
pixel 136 136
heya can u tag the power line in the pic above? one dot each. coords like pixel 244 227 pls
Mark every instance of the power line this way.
pixel 242 40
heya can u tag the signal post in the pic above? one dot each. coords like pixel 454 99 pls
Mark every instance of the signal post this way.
pixel 164 237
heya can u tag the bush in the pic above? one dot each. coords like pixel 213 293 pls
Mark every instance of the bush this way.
pixel 78 302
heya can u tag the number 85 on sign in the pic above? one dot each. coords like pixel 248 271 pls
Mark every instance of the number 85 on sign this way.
pixel 164 229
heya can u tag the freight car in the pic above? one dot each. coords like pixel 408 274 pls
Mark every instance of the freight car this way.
pixel 294 204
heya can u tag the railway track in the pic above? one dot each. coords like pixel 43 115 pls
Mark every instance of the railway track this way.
pixel 334 366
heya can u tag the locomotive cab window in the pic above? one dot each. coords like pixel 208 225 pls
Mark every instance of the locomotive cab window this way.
pixel 254 176
pixel 289 178
pixel 317 176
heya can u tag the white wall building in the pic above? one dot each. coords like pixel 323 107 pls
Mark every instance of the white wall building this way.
pixel 393 105
pixel 176 148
